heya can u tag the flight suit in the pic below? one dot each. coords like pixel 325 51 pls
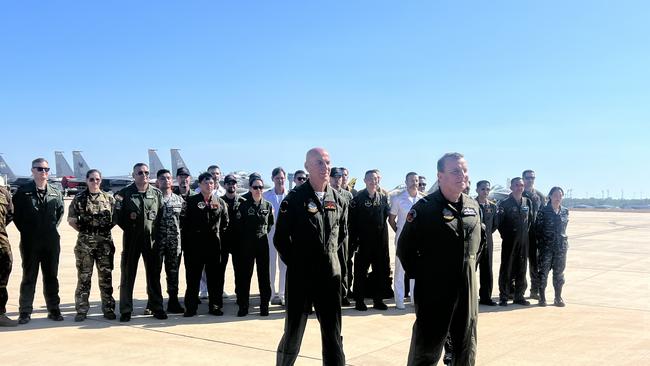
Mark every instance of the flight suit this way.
pixel 139 214
pixel 345 256
pixel 538 200
pixel 308 234
pixel 37 216
pixel 204 222
pixel 6 258
pixel 369 234
pixel 550 229
pixel 489 215
pixel 228 237
pixel 93 214
pixel 514 221
pixel 438 246
pixel 252 223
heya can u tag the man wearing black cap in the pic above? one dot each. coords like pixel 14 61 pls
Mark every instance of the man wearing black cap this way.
pixel 183 179
pixel 336 181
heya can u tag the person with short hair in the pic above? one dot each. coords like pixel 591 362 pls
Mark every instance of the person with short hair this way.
pixel 438 245
pixel 91 214
pixel 275 196
pixel 253 219
pixel 336 181
pixel 400 206
pixel 138 211
pixel 422 184
pixel 38 210
pixel 553 243
pixel 489 217
pixel 538 201
pixel 299 177
pixel 6 257
pixel 515 216
pixel 205 218
pixel 183 181
pixel 311 227
pixel 369 211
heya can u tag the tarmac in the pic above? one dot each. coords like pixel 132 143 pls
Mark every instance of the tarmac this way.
pixel 606 320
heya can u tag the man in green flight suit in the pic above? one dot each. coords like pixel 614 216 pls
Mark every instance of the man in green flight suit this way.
pixel 138 210
pixel 38 209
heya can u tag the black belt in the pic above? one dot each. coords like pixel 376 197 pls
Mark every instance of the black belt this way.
pixel 96 231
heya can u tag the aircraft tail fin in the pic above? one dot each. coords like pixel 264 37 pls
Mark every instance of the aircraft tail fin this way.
pixel 80 165
pixel 6 170
pixel 154 163
pixel 62 167
pixel 177 161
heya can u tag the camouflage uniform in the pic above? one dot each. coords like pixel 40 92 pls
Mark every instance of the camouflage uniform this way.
pixel 6 215
pixel 168 240
pixel 550 228
pixel 93 216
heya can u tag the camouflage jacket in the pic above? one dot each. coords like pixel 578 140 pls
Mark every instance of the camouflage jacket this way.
pixel 169 230
pixel 550 228
pixel 93 213
pixel 6 215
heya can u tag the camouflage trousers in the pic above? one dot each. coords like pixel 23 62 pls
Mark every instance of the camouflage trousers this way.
pixel 92 250
pixel 170 256
pixel 6 261
pixel 551 258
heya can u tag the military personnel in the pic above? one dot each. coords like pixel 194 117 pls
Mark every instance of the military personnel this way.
pixel 400 206
pixel 183 179
pixel 218 191
pixel 538 201
pixel 514 220
pixel 6 259
pixel 369 236
pixel 91 214
pixel 422 184
pixel 310 229
pixel 138 211
pixel 552 243
pixel 253 219
pixel 336 182
pixel 38 210
pixel 168 238
pixel 275 195
pixel 439 245
pixel 299 177
pixel 229 237
pixel 205 218
pixel 489 215
pixel 345 183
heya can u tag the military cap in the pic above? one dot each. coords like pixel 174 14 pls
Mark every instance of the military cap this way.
pixel 182 171
pixel 229 178
pixel 336 172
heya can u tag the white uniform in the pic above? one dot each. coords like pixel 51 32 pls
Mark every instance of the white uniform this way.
pixel 400 206
pixel 274 258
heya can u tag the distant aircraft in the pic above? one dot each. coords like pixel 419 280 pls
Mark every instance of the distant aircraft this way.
pixel 62 167
pixel 6 171
pixel 155 164
pixel 80 165
pixel 109 184
pixel 177 160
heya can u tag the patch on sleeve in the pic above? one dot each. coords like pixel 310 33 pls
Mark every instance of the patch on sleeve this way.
pixel 353 203
pixel 469 211
pixel 284 206
pixel 411 215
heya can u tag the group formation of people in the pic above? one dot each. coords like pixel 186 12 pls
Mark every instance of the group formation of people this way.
pixel 323 237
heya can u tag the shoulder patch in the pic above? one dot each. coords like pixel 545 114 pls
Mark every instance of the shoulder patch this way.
pixel 284 206
pixel 411 215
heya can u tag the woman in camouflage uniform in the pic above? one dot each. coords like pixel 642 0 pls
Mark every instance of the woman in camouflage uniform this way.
pixel 552 244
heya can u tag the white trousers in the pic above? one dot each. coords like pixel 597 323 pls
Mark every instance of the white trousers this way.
pixel 274 263
pixel 398 284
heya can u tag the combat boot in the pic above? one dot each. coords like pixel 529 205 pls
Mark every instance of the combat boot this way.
pixel 173 306
pixel 80 317
pixel 6 322
pixel 24 318
pixel 558 298
pixel 542 298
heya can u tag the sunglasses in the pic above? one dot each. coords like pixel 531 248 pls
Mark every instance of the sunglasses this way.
pixel 94 179
pixel 422 184
pixel 259 188
pixel 529 178
pixel 302 179
pixel 41 169
pixel 143 173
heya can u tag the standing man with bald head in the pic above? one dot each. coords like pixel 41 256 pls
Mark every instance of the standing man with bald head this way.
pixel 438 245
pixel 310 229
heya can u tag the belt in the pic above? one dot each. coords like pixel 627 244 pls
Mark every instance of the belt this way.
pixel 96 231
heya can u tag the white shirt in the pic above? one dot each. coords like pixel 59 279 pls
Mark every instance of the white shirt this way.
pixel 400 206
pixel 216 192
pixel 275 200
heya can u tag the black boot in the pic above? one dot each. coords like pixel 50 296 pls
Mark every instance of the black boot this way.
pixel 558 298
pixel 173 306
pixel 542 297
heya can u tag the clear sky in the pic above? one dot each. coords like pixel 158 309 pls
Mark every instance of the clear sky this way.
pixel 562 87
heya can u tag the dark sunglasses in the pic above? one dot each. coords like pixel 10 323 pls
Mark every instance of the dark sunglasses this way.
pixel 302 179
pixel 422 184
pixel 529 178
pixel 41 169
pixel 259 188
pixel 143 173
pixel 94 179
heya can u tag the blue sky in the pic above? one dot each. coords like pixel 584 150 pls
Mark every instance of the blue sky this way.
pixel 559 87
